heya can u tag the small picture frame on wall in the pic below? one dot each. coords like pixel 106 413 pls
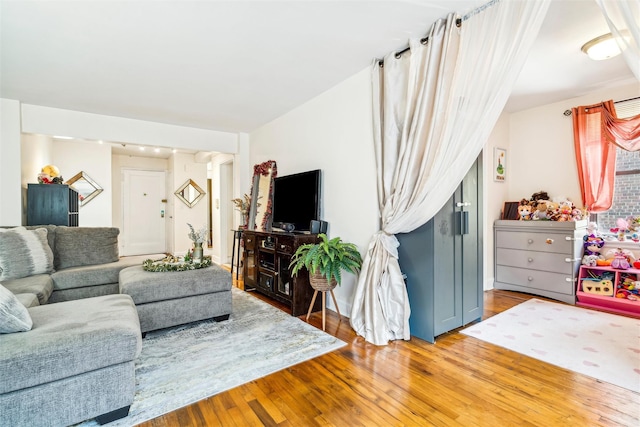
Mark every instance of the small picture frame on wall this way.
pixel 499 164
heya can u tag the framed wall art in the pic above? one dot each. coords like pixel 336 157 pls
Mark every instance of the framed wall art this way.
pixel 499 164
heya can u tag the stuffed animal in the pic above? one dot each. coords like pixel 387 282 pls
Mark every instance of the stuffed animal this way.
pixel 592 247
pixel 540 212
pixel 590 260
pixel 524 212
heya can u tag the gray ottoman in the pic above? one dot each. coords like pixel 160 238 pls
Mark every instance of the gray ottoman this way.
pixel 172 298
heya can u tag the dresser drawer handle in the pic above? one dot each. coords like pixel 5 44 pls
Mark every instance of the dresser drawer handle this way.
pixel 530 241
pixel 549 241
pixel 530 279
pixel 530 259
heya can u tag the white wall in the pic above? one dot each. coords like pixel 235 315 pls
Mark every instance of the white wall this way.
pixel 56 121
pixel 542 154
pixel 332 132
pixel 184 167
pixel 94 159
pixel 10 177
pixel 494 192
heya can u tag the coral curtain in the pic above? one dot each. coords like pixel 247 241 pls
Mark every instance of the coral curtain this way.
pixel 433 110
pixel 622 19
pixel 596 133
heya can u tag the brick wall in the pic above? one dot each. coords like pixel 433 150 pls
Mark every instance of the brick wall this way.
pixel 626 199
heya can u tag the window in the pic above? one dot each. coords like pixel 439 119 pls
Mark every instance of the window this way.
pixel 626 192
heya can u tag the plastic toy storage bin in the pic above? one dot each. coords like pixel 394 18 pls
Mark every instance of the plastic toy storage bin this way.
pixel 604 302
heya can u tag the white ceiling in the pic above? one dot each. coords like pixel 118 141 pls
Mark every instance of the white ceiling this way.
pixel 236 65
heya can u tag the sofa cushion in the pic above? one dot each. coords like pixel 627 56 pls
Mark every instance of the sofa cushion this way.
pixel 24 253
pixel 91 275
pixel 70 338
pixel 14 316
pixel 41 285
pixel 77 246
pixel 28 300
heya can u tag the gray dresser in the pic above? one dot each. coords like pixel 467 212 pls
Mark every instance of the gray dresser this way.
pixel 539 257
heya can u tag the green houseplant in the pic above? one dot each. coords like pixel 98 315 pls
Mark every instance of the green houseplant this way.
pixel 325 261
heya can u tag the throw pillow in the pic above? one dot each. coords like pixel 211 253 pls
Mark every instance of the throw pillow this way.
pixel 14 317
pixel 24 253
pixel 77 246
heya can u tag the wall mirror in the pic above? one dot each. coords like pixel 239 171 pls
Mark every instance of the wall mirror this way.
pixel 262 195
pixel 190 193
pixel 86 187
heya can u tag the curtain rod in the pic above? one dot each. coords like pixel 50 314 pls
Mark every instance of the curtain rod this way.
pixel 423 40
pixel 568 112
pixel 458 24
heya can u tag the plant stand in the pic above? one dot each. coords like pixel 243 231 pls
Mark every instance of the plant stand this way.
pixel 319 284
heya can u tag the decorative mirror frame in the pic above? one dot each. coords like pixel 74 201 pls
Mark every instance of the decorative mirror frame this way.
pixel 191 203
pixel 268 168
pixel 86 187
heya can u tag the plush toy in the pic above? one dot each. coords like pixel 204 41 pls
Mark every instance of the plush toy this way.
pixel 590 260
pixel 592 247
pixel 540 212
pixel 524 212
pixel 621 259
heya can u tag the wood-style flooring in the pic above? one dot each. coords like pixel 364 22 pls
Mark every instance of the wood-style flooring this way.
pixel 459 381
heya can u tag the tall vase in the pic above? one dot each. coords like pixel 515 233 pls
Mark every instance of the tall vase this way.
pixel 197 252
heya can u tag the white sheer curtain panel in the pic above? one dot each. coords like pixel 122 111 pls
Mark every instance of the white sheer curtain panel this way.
pixel 433 109
pixel 622 18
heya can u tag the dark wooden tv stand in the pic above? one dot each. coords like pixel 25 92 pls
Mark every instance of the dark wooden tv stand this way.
pixel 266 268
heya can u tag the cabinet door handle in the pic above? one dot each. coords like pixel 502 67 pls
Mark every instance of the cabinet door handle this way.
pixel 530 241
pixel 530 259
pixel 530 279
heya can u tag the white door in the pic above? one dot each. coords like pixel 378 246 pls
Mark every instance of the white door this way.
pixel 143 212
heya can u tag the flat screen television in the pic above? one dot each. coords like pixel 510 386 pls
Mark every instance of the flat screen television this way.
pixel 296 200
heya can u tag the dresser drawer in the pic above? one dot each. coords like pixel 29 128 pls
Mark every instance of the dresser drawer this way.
pixel 547 261
pixel 543 242
pixel 534 279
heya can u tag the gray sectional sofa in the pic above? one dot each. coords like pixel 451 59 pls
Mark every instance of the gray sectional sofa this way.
pixel 76 361
pixel 72 313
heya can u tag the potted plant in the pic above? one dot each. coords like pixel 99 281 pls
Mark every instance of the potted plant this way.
pixel 325 261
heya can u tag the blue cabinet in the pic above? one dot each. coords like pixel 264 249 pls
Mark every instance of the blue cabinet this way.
pixel 442 261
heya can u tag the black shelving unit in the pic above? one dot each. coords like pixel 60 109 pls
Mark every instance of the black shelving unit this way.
pixel 55 204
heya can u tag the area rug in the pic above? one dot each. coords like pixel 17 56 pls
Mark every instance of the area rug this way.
pixel 185 364
pixel 601 345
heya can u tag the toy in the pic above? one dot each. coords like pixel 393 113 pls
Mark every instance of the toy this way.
pixel 590 260
pixel 620 260
pixel 599 284
pixel 540 212
pixel 524 211
pixel 628 287
pixel 592 247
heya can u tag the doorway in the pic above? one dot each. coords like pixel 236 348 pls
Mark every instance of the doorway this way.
pixel 143 212
pixel 226 212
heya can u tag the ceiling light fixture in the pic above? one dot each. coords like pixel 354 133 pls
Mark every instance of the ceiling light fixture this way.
pixel 603 47
pixel 157 150
pixel 62 137
pixel 141 148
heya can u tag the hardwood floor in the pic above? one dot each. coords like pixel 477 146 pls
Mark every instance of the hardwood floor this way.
pixel 459 381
